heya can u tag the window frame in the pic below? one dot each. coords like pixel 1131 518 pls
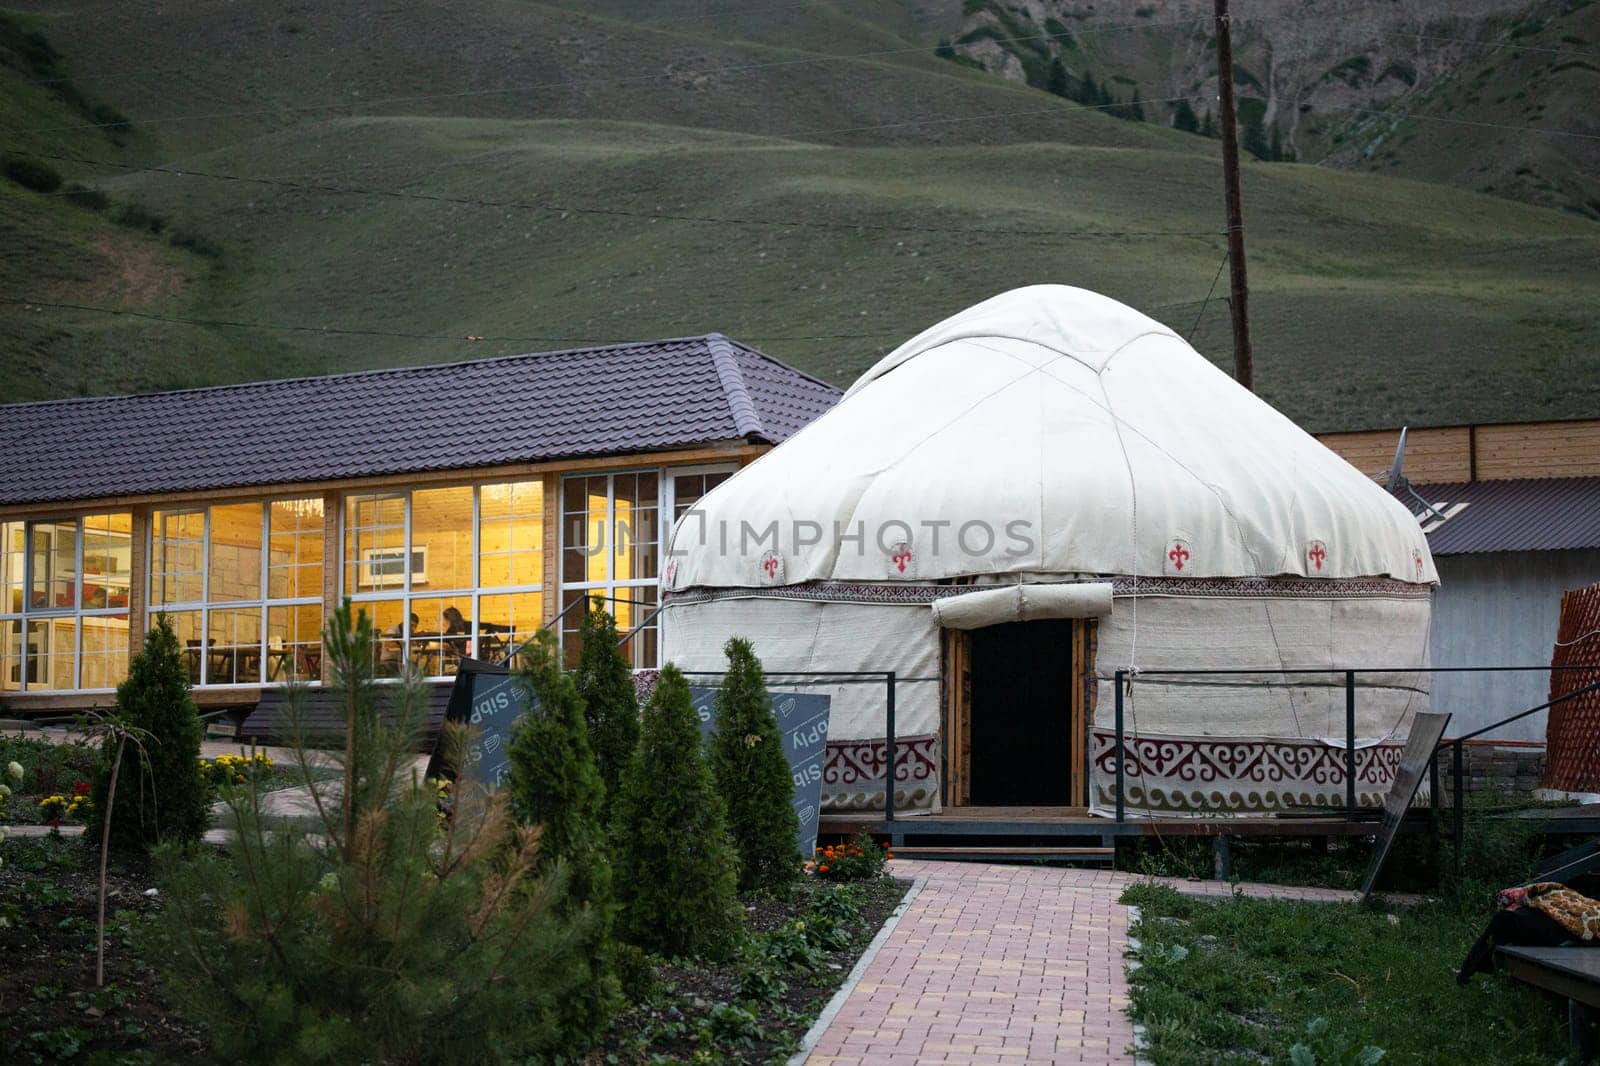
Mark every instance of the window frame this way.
pixel 77 612
pixel 407 594
pixel 262 604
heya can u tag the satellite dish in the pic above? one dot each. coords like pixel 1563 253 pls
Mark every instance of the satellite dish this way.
pixel 1395 478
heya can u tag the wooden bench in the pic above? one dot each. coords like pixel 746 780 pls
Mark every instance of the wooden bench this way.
pixel 322 714
pixel 1571 973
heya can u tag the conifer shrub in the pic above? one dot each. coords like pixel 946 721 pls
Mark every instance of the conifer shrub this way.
pixel 30 173
pixel 676 870
pixel 753 775
pixel 378 932
pixel 555 785
pixel 162 795
pixel 611 706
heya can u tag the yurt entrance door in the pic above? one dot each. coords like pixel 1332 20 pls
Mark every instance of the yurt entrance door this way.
pixel 1019 710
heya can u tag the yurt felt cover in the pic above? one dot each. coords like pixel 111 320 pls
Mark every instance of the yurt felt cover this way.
pixel 1082 436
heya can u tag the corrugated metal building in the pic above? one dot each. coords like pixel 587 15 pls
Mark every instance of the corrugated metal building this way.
pixel 1512 514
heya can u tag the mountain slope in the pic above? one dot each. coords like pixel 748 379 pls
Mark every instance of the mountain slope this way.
pixel 667 178
pixel 1490 95
pixel 1375 300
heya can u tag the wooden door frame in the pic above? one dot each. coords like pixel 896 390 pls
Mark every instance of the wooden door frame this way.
pixel 955 726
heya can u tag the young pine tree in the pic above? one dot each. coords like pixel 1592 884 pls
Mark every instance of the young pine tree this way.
pixel 160 794
pixel 378 933
pixel 555 785
pixel 1184 118
pixel 1058 81
pixel 676 870
pixel 753 775
pixel 610 705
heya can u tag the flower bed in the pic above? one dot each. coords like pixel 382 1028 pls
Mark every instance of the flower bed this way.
pixel 757 1006
pixel 53 1012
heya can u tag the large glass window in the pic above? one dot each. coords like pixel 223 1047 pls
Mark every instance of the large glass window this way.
pixel 243 586
pixel 446 573
pixel 64 587
pixel 611 535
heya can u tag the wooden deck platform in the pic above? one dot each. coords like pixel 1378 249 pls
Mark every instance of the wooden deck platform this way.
pixel 997 823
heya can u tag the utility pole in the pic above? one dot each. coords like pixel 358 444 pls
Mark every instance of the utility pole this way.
pixel 1243 359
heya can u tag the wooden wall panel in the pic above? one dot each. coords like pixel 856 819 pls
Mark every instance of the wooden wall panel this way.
pixel 550 601
pixel 332 565
pixel 138 579
pixel 1483 453
pixel 1570 449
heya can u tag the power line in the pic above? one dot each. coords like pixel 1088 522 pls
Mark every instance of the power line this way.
pixel 666 216
pixel 742 68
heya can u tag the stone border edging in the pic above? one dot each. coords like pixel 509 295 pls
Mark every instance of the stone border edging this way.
pixel 859 970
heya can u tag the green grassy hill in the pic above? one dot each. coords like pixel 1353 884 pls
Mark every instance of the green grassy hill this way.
pixel 558 216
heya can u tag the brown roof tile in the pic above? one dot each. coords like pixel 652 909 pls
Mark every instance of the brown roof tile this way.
pixel 615 400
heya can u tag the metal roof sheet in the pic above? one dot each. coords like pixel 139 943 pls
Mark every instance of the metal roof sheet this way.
pixel 615 400
pixel 1517 514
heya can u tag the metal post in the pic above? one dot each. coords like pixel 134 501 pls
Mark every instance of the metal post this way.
pixel 1433 787
pixel 1459 801
pixel 1119 676
pixel 1350 743
pixel 888 750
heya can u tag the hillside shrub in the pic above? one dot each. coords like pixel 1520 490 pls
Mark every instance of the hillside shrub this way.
pixel 555 786
pixel 197 243
pixel 610 704
pixel 377 933
pixel 162 795
pixel 81 195
pixel 753 775
pixel 675 865
pixel 30 173
pixel 135 215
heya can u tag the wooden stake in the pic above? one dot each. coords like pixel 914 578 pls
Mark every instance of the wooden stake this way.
pixel 1243 358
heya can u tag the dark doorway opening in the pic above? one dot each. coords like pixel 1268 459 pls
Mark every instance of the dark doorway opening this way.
pixel 1022 714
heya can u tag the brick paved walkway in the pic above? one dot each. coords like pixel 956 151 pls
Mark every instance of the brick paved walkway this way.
pixel 1004 964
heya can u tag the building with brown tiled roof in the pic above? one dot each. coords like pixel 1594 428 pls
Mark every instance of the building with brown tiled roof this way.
pixel 462 506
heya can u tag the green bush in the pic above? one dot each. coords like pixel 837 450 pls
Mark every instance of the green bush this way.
pixel 610 704
pixel 160 793
pixel 675 865
pixel 375 934
pixel 753 775
pixel 554 785
pixel 85 197
pixel 194 242
pixel 30 173
pixel 138 216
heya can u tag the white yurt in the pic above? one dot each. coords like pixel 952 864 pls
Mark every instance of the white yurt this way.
pixel 1028 497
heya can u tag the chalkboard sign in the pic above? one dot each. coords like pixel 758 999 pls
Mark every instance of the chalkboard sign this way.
pixel 803 724
pixel 487 698
pixel 1422 746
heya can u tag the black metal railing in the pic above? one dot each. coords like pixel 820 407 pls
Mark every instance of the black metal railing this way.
pixel 1122 678
pixel 843 677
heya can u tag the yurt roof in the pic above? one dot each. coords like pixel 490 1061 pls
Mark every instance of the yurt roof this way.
pixel 1080 436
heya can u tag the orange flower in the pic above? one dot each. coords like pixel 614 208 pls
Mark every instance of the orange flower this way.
pixel 823 868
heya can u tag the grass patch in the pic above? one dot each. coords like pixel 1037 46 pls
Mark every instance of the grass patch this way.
pixel 1245 981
